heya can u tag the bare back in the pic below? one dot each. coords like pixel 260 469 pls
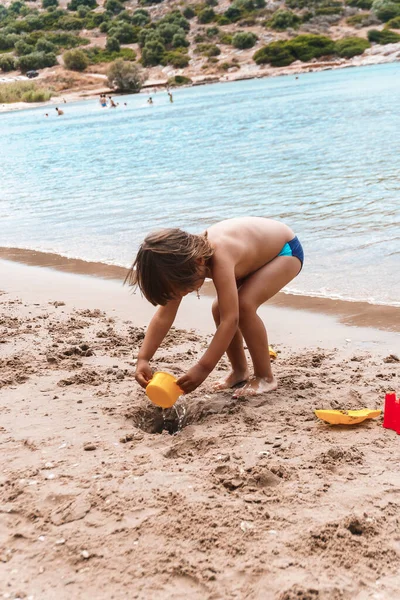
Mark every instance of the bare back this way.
pixel 250 242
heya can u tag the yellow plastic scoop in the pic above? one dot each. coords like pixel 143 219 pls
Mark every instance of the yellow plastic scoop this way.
pixel 272 353
pixel 347 417
pixel 163 390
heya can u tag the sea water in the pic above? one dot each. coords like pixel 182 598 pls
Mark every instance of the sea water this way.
pixel 321 152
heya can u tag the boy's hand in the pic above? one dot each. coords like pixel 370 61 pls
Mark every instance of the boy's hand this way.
pixel 193 378
pixel 143 373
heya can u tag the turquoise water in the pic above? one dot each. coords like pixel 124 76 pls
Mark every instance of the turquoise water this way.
pixel 321 153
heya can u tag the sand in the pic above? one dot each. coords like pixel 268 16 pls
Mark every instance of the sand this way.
pixel 247 499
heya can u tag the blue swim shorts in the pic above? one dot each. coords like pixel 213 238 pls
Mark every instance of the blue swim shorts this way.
pixel 293 248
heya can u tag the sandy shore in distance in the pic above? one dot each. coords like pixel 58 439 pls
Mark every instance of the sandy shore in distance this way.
pixel 250 499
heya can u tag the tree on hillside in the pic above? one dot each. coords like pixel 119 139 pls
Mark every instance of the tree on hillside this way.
pixel 75 60
pixel 125 76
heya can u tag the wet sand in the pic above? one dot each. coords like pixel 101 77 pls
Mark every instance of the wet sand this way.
pixel 252 498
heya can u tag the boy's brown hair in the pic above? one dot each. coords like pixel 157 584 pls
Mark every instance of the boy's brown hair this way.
pixel 167 261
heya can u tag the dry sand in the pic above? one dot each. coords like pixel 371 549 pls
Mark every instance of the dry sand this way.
pixel 250 499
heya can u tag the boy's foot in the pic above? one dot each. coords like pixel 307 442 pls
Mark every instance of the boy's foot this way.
pixel 257 386
pixel 234 378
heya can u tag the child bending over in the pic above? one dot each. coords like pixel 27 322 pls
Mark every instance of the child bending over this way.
pixel 249 260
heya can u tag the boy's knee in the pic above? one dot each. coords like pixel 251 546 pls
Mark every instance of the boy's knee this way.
pixel 246 308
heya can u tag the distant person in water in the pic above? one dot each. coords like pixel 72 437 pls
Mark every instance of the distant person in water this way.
pixel 150 100
pixel 170 97
pixel 103 100
pixel 46 115
pixel 112 103
pixel 125 104
pixel 59 112
pixel 249 259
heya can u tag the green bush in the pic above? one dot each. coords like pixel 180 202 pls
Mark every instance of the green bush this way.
pixel 176 18
pixel 351 46
pixel 114 6
pixel 307 47
pixel 49 3
pixel 189 13
pixel 74 4
pixel 226 38
pixel 141 17
pixel 112 44
pixel 94 20
pixel 22 48
pixel 43 45
pixel 207 15
pixel 232 14
pixel 152 53
pixel 69 23
pixel 179 80
pixel 363 4
pixel 82 11
pixel 124 15
pixel 104 27
pixel 208 50
pixel 149 2
pixel 16 7
pixel 97 55
pixel 66 40
pixel 386 36
pixel 179 40
pixel 167 31
pixel 7 63
pixel 393 23
pixel 75 60
pixel 243 40
pixel 178 60
pixel 302 47
pixel 124 32
pixel 357 19
pixel 385 11
pixel 222 20
pixel 51 17
pixel 125 76
pixel 7 42
pixel 36 60
pixel 14 92
pixel 282 19
pixel 277 54
pixel 212 32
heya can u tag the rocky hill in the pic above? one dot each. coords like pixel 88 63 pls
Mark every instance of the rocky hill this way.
pixel 183 42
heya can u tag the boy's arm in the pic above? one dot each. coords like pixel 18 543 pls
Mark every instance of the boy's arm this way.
pixel 228 304
pixel 158 328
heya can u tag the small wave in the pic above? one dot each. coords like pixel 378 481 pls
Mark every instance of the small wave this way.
pixel 341 297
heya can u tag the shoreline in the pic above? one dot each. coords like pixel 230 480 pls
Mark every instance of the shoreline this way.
pixel 374 56
pixel 350 313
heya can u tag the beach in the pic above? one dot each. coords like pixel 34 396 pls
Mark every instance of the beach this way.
pixel 102 496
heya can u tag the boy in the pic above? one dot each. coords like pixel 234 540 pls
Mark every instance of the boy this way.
pixel 249 260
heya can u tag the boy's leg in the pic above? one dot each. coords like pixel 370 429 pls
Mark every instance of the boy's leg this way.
pixel 257 289
pixel 236 355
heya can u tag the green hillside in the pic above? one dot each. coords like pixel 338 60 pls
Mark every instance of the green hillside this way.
pixel 209 37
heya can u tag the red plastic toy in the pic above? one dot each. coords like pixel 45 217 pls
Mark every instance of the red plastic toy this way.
pixel 391 416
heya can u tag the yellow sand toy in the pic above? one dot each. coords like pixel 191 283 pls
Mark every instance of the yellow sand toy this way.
pixel 347 417
pixel 272 352
pixel 163 390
